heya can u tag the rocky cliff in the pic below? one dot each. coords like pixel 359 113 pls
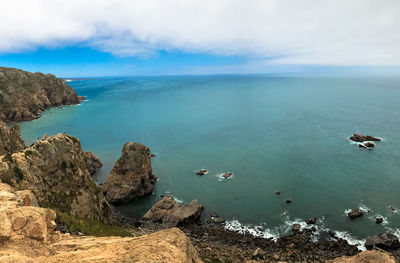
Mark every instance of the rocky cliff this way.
pixel 10 139
pixel 24 95
pixel 55 169
pixel 131 176
pixel 27 235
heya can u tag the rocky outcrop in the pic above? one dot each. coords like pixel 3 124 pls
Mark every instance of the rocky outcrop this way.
pixel 24 95
pixel 10 139
pixel 27 235
pixel 355 213
pixel 366 257
pixel 362 138
pixel 383 241
pixel 93 163
pixel 19 217
pixel 168 211
pixel 55 169
pixel 132 175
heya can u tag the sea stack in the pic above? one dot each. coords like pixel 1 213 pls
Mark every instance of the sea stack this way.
pixel 132 175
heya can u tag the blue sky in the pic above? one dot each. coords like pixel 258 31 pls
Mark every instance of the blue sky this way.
pixel 156 37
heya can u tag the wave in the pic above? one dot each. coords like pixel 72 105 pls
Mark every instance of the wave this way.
pixel 285 228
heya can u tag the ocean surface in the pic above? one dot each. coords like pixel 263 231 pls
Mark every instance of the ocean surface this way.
pixel 273 132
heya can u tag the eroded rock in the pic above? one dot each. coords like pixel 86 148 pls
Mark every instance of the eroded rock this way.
pixel 383 241
pixel 93 162
pixel 132 175
pixel 355 213
pixel 168 211
pixel 362 138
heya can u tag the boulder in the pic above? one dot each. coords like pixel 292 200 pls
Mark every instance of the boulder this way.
pixel 93 162
pixel 379 220
pixel 258 254
pixel 288 201
pixel 132 175
pixel 383 241
pixel 295 227
pixel 362 138
pixel 369 144
pixel 311 220
pixel 360 145
pixel 373 256
pixel 168 211
pixel 277 192
pixel 355 213
pixel 227 175
pixel 332 233
pixel 201 172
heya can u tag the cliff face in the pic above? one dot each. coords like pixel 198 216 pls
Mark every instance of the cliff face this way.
pixel 55 169
pixel 131 176
pixel 27 235
pixel 24 95
pixel 10 139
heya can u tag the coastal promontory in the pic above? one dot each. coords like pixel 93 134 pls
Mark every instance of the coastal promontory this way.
pixel 24 95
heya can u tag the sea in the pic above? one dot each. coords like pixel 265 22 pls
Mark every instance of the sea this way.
pixel 273 132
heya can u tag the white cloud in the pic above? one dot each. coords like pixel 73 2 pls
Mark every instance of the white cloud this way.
pixel 350 32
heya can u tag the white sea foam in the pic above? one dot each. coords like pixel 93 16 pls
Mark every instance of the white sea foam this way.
pixel 351 240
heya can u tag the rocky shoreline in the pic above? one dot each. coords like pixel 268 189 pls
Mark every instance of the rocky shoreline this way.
pixel 51 205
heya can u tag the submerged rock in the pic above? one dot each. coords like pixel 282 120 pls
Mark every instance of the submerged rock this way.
pixel 355 213
pixel 25 95
pixel 362 146
pixel 132 175
pixel 168 211
pixel 277 192
pixel 93 162
pixel 288 201
pixel 383 241
pixel 362 138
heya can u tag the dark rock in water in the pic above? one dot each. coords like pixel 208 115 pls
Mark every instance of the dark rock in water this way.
pixel 332 233
pixel 169 212
pixel 392 208
pixel 227 175
pixel 260 228
pixel 288 201
pixel 295 227
pixel 277 192
pixel 379 220
pixel 131 176
pixel 202 172
pixel 258 254
pixel 362 138
pixel 362 146
pixel 153 155
pixel 355 213
pixel 217 220
pixel 369 144
pixel 311 221
pixel 383 241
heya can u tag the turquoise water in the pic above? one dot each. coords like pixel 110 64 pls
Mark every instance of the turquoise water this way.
pixel 274 133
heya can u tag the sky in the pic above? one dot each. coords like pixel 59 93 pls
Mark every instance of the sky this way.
pixel 83 38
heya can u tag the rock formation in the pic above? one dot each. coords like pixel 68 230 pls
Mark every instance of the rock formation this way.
pixel 355 213
pixel 24 95
pixel 362 138
pixel 93 163
pixel 383 241
pixel 10 139
pixel 168 211
pixel 366 257
pixel 55 169
pixel 27 235
pixel 132 175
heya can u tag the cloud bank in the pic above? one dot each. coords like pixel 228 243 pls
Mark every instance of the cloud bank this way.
pixel 330 32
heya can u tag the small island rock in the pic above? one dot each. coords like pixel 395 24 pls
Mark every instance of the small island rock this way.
pixel 355 213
